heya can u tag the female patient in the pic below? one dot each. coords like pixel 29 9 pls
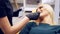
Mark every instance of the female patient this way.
pixel 42 24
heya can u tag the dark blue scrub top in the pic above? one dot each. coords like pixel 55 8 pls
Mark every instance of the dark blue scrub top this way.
pixel 32 28
pixel 6 10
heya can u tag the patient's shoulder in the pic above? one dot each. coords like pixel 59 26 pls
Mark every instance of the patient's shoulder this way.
pixel 30 24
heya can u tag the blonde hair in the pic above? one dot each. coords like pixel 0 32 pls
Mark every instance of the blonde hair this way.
pixel 50 11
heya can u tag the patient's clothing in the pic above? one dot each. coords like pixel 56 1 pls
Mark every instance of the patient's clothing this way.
pixel 32 28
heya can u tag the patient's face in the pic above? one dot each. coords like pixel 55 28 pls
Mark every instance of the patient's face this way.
pixel 39 9
pixel 43 11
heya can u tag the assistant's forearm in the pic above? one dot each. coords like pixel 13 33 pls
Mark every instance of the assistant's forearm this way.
pixel 20 25
pixel 8 29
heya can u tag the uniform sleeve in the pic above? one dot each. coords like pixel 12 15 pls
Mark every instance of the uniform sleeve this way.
pixel 26 29
pixel 2 9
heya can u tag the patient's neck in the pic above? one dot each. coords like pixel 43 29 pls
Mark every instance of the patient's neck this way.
pixel 47 20
pixel 38 21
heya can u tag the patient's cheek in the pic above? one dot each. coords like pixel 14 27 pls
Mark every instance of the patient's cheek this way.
pixel 39 10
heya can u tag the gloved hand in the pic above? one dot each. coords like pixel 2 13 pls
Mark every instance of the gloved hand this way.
pixel 33 16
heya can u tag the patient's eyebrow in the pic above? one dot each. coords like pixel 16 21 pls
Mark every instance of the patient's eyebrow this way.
pixel 40 7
